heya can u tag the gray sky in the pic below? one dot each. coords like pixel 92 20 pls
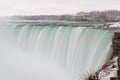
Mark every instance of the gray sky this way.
pixel 36 7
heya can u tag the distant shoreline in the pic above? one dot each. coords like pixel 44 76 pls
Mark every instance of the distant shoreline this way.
pixel 93 16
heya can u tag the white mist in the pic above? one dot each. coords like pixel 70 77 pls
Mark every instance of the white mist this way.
pixel 15 64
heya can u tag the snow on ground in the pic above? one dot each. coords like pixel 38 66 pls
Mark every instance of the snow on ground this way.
pixel 109 71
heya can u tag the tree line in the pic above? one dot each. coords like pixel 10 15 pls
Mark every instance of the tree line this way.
pixel 102 16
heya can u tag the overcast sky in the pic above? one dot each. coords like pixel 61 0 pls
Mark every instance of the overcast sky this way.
pixel 36 7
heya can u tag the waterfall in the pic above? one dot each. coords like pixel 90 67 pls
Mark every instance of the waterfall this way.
pixel 79 50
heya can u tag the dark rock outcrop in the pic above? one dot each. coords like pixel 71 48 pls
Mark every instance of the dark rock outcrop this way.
pixel 116 44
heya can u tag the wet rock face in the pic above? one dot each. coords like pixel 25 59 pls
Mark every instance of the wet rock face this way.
pixel 116 51
pixel 112 78
pixel 118 74
pixel 119 66
pixel 116 43
pixel 116 47
pixel 119 60
pixel 116 35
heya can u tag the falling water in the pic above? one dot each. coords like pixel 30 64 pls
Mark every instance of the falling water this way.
pixel 80 51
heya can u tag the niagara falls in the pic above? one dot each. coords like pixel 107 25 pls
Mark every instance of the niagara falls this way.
pixel 50 52
pixel 59 39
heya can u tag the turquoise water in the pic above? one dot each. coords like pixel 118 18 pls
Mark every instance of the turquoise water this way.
pixel 79 50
